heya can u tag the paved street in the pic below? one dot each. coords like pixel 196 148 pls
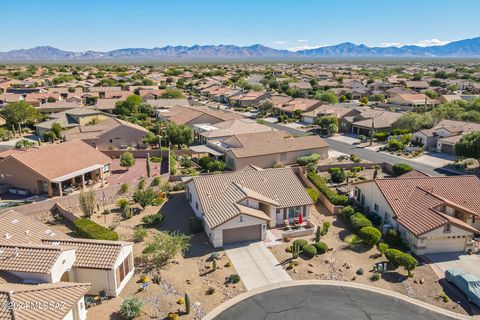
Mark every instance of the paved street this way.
pixel 326 302
pixel 255 264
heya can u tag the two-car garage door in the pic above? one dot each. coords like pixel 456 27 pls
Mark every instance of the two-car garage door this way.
pixel 242 234
pixel 445 245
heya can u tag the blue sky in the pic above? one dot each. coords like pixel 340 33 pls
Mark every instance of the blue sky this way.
pixel 107 24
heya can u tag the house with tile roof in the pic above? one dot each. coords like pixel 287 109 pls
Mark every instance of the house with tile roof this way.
pixel 412 100
pixel 239 206
pixel 32 252
pixel 265 149
pixel 51 169
pixel 296 105
pixel 432 214
pixel 363 122
pixel 61 300
pixel 196 115
pixel 327 110
pixel 443 136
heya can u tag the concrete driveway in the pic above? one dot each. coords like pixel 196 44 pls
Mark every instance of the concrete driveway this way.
pixel 444 261
pixel 255 264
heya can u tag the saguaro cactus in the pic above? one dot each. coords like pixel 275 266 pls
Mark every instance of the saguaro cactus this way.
pixel 187 303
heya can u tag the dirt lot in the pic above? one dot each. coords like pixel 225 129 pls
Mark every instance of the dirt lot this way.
pixel 342 263
pixel 192 273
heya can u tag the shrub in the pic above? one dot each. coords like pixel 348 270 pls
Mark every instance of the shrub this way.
pixel 311 167
pixel 360 271
pixel 300 243
pixel 408 262
pixel 392 237
pixel 337 175
pixel 375 277
pixel 313 158
pixel 326 226
pixel 233 278
pixel 359 221
pixel 370 235
pixel 382 247
pixel 321 247
pixel 153 219
pixel 356 169
pixel 309 250
pixel 87 199
pixel 331 195
pixel 172 316
pixel 196 224
pixel 86 228
pixel 140 234
pixel 394 144
pixel 210 291
pixel 347 212
pixel 381 136
pixel 313 194
pixel 144 197
pixel 393 257
pixel 157 181
pixel 401 168
pixel 131 308
pixel 124 188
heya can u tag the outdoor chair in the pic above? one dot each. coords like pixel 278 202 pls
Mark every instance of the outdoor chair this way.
pixel 103 295
pixel 89 301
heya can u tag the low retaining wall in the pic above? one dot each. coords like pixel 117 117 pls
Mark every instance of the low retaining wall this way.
pixel 107 195
pixel 137 153
pixel 69 215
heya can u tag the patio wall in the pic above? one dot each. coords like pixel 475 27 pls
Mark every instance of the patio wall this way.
pixel 137 153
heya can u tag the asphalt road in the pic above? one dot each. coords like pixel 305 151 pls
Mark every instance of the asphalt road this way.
pixel 325 302
pixel 375 156
pixel 367 154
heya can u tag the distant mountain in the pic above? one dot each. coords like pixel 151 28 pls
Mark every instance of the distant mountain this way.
pixel 469 48
pixel 455 49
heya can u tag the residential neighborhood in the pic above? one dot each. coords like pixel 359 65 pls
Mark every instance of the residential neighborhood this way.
pixel 290 179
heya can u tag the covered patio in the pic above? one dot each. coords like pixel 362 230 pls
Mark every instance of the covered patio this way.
pixel 77 180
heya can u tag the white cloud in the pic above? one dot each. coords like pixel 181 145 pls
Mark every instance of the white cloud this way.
pixel 421 43
pixel 306 47
pixel 431 42
pixel 302 40
pixel 279 42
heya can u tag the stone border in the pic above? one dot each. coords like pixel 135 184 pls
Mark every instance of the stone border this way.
pixel 224 306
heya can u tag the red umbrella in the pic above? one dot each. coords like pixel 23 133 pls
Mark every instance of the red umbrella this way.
pixel 300 219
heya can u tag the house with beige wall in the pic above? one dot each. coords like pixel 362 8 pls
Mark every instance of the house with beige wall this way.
pixel 53 169
pixel 241 206
pixel 266 149
pixel 432 214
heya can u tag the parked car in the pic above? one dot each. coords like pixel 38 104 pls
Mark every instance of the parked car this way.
pixel 467 283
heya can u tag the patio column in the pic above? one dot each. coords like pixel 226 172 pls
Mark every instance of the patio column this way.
pixel 83 181
pixel 50 191
pixel 60 189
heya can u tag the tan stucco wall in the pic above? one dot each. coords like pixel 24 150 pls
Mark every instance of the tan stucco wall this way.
pixel 14 173
pixel 122 135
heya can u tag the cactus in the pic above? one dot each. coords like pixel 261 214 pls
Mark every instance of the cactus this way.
pixel 187 303
pixel 295 250
pixel 317 235
pixel 214 265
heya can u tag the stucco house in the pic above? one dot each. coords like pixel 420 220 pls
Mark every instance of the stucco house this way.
pixel 32 252
pixel 412 100
pixel 265 149
pixel 444 135
pixel 196 115
pixel 107 134
pixel 432 214
pixel 240 206
pixel 51 169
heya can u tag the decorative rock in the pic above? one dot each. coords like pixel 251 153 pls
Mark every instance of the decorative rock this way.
pixel 422 281
pixel 310 271
pixel 327 262
pixel 310 264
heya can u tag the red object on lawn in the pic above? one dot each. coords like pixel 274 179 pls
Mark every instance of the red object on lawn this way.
pixel 300 219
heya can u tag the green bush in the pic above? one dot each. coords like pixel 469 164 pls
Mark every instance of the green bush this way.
pixel 321 247
pixel 347 212
pixel 124 188
pixel 394 144
pixel 356 169
pixel 392 237
pixel 131 308
pixel 337 175
pixel 370 235
pixel 397 258
pixel 382 247
pixel 393 257
pixel 360 271
pixel 332 196
pixel 359 221
pixel 326 226
pixel 86 228
pixel 139 234
pixel 300 242
pixel 233 278
pixel 375 277
pixel 381 136
pixel 153 219
pixel 309 250
pixel 196 224
pixel 401 168
pixel 313 194
pixel 313 158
